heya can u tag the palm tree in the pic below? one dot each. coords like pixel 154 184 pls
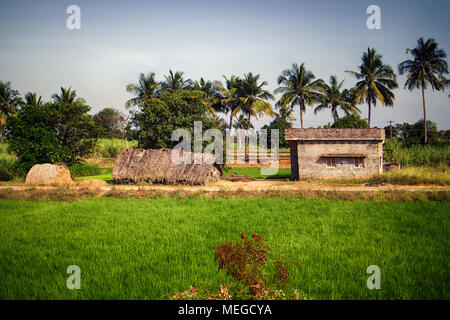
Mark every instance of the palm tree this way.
pixel 175 82
pixel 241 123
pixel 253 100
pixel 333 97
pixel 427 67
pixel 212 94
pixel 10 101
pixel 145 89
pixel 67 96
pixel 285 113
pixel 230 98
pixel 31 99
pixel 298 88
pixel 376 81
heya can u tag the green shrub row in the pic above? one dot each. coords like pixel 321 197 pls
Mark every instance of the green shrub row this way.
pixel 416 155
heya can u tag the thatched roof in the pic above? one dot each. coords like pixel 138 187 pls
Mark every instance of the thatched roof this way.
pixel 137 165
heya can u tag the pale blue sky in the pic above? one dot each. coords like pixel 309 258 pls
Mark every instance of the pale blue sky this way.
pixel 120 39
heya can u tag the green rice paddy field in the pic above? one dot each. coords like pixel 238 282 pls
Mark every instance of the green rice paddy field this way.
pixel 145 249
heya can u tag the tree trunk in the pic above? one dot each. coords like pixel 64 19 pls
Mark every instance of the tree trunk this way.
pixel 370 111
pixel 231 119
pixel 301 114
pixel 424 116
pixel 334 111
pixel 247 139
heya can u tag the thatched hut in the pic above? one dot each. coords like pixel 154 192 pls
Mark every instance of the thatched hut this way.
pixel 139 165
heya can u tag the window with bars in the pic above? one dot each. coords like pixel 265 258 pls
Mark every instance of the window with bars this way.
pixel 331 162
pixel 359 162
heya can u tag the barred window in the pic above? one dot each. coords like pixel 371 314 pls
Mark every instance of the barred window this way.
pixel 331 162
pixel 359 162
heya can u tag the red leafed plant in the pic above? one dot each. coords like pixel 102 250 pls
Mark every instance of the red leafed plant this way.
pixel 244 261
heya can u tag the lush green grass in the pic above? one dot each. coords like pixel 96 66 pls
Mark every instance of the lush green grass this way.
pixel 143 249
pixel 88 169
pixel 255 172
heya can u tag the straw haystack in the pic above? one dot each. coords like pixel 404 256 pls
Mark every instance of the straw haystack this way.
pixel 138 165
pixel 49 174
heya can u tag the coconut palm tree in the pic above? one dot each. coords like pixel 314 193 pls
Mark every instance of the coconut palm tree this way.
pixel 230 98
pixel 298 87
pixel 176 82
pixel 285 113
pixel 376 81
pixel 253 100
pixel 334 97
pixel 10 101
pixel 242 123
pixel 427 68
pixel 31 99
pixel 145 89
pixel 212 92
pixel 67 96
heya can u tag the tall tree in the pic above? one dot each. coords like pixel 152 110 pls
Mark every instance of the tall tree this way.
pixel 334 97
pixel 253 100
pixel 176 82
pixel 298 87
pixel 376 81
pixel 230 98
pixel 31 99
pixel 427 68
pixel 146 88
pixel 10 101
pixel 67 96
pixel 212 92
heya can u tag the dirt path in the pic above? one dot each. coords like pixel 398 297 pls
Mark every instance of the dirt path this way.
pixel 258 185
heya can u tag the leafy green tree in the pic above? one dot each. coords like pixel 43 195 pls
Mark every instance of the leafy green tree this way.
pixel 32 99
pixel 159 117
pixel 110 122
pixel 52 132
pixel 146 88
pixel 253 100
pixel 298 87
pixel 280 124
pixel 10 101
pixel 350 121
pixel 334 97
pixel 376 81
pixel 427 68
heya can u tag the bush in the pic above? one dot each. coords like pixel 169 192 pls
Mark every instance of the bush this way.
pixel 416 155
pixel 350 121
pixel 9 168
pixel 245 261
pixel 50 133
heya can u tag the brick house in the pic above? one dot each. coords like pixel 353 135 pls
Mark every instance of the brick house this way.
pixel 328 153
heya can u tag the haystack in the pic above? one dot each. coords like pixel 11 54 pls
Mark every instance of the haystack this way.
pixel 138 165
pixel 49 174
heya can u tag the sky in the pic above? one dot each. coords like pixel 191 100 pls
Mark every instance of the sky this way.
pixel 120 39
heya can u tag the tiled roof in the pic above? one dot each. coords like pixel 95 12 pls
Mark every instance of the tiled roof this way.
pixel 335 134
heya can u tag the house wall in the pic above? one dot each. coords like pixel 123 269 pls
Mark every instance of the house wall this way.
pixel 311 164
